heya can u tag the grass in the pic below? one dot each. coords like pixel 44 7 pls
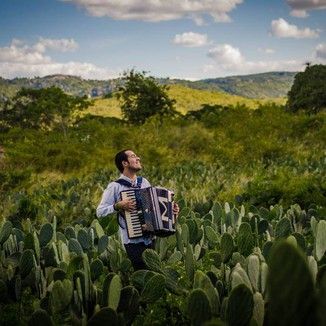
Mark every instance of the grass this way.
pixel 187 99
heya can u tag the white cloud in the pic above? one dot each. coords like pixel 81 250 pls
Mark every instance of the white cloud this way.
pixel 226 55
pixel 22 60
pixel 63 45
pixel 159 10
pixel 320 52
pixel 191 39
pixel 300 7
pixel 19 52
pixel 281 28
pixel 229 60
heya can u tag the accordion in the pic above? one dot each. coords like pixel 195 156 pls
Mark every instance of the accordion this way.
pixel 154 208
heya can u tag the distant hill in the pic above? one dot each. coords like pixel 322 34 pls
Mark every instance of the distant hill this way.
pixel 265 85
pixel 70 84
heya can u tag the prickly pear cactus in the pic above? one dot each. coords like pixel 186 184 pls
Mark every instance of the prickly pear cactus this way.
pixel 198 307
pixel 301 241
pixel 240 306
pixel 185 234
pixel 105 316
pixel 239 276
pixel 114 292
pixel 27 262
pixel 46 234
pixel 320 243
pixel 103 243
pixel 290 288
pixel 61 295
pixel 171 281
pixel 253 268
pixel 152 260
pixel 174 258
pixel 129 303
pixel 190 263
pixel 202 281
pixel 84 239
pixel 5 231
pixel 212 236
pixel 267 248
pixel 227 246
pixel 96 269
pixel 153 289
pixel 283 228
pixel 245 239
pixel 259 309
pixel 75 247
pixel 40 317
pixel 70 233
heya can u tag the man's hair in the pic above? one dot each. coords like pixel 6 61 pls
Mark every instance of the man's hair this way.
pixel 119 158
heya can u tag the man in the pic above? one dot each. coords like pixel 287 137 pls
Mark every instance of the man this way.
pixel 128 163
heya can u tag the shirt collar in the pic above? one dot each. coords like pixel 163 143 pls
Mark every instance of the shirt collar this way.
pixel 133 182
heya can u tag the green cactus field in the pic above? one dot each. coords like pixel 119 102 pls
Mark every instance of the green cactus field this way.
pixel 229 266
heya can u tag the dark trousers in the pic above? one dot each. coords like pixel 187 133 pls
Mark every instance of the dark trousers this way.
pixel 135 251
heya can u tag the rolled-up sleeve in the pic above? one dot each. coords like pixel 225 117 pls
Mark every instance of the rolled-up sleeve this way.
pixel 109 198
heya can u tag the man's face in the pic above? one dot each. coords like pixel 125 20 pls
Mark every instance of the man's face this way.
pixel 134 161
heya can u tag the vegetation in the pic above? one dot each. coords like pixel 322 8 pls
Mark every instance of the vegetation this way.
pixel 142 97
pixel 41 109
pixel 308 92
pixel 221 266
pixel 262 157
pixel 186 99
pixel 250 237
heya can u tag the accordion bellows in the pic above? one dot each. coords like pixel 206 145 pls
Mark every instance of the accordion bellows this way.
pixel 154 208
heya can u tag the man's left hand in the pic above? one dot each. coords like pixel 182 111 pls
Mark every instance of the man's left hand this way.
pixel 176 209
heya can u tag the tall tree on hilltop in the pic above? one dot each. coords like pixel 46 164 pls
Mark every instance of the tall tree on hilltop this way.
pixel 142 97
pixel 308 92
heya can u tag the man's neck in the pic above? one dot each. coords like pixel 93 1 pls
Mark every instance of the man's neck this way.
pixel 131 175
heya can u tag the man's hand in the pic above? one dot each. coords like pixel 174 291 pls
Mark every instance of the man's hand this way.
pixel 126 205
pixel 176 209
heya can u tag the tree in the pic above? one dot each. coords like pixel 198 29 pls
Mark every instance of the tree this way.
pixel 308 91
pixel 42 108
pixel 142 97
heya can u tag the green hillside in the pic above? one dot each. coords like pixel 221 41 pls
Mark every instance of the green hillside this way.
pixel 187 99
pixel 265 85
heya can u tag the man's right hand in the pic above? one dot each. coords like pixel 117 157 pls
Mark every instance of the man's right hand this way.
pixel 126 205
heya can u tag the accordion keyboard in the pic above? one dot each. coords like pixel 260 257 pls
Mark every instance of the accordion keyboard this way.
pixel 132 217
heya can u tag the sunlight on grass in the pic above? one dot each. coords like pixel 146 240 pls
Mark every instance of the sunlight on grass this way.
pixel 187 99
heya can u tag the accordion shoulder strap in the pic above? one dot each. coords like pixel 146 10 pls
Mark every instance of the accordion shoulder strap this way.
pixel 139 182
pixel 126 183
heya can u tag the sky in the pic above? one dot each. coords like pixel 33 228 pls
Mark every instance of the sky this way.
pixel 187 39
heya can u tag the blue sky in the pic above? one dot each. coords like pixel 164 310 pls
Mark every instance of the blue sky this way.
pixel 189 39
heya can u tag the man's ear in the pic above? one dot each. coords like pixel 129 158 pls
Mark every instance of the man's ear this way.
pixel 124 163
